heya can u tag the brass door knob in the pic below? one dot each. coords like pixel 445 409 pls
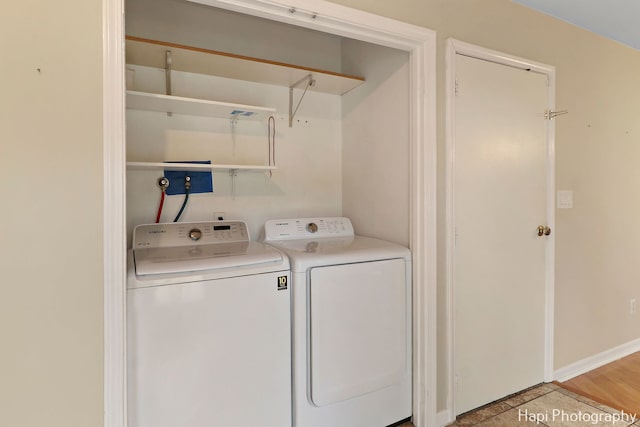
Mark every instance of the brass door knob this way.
pixel 543 230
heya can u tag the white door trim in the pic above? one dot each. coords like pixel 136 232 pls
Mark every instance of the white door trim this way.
pixel 114 225
pixel 455 47
pixel 320 15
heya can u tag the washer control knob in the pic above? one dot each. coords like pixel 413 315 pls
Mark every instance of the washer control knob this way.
pixel 195 234
pixel 312 227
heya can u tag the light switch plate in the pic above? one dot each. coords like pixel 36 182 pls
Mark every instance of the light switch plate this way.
pixel 565 199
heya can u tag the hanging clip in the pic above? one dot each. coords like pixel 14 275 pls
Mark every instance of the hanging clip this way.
pixel 310 82
pixel 550 115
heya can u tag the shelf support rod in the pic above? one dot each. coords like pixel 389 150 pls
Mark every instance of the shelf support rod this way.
pixel 233 173
pixel 309 82
pixel 167 74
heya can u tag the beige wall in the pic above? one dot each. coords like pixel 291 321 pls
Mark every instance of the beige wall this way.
pixel 51 214
pixel 51 158
pixel 597 153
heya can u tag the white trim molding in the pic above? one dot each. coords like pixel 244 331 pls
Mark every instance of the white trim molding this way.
pixel 423 231
pixel 114 227
pixel 327 17
pixel 457 47
pixel 332 18
pixel 597 360
pixel 444 418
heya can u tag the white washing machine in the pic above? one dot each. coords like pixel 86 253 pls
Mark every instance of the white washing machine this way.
pixel 208 328
pixel 351 324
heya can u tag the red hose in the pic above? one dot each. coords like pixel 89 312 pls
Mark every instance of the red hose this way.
pixel 160 207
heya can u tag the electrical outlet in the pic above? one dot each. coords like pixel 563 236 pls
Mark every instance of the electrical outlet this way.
pixel 218 216
pixel 632 306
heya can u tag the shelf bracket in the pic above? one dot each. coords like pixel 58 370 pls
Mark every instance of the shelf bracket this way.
pixel 167 75
pixel 309 80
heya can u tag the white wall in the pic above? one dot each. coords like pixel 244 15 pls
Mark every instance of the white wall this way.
pixel 308 181
pixel 312 173
pixel 375 131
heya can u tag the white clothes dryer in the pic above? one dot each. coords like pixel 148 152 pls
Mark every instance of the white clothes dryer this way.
pixel 351 324
pixel 208 328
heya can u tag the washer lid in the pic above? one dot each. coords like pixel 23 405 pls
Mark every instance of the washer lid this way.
pixel 181 259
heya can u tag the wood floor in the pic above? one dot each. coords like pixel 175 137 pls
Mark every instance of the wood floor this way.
pixel 616 384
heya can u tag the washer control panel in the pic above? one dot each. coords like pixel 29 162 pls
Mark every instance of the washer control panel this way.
pixel 189 234
pixel 307 228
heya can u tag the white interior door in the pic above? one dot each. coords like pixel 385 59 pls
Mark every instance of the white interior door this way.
pixel 500 171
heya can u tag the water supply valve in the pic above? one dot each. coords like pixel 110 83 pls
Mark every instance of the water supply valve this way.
pixel 163 183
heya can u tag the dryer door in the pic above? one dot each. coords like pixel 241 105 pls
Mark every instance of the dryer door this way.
pixel 358 329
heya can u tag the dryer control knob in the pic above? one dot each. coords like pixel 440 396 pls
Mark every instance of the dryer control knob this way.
pixel 195 234
pixel 312 227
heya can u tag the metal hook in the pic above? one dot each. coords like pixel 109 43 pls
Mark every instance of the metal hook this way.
pixel 550 115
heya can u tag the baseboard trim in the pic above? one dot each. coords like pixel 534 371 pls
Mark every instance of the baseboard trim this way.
pixel 444 418
pixel 592 362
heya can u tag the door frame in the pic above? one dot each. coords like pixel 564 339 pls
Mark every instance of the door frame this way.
pixel 455 47
pixel 319 15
